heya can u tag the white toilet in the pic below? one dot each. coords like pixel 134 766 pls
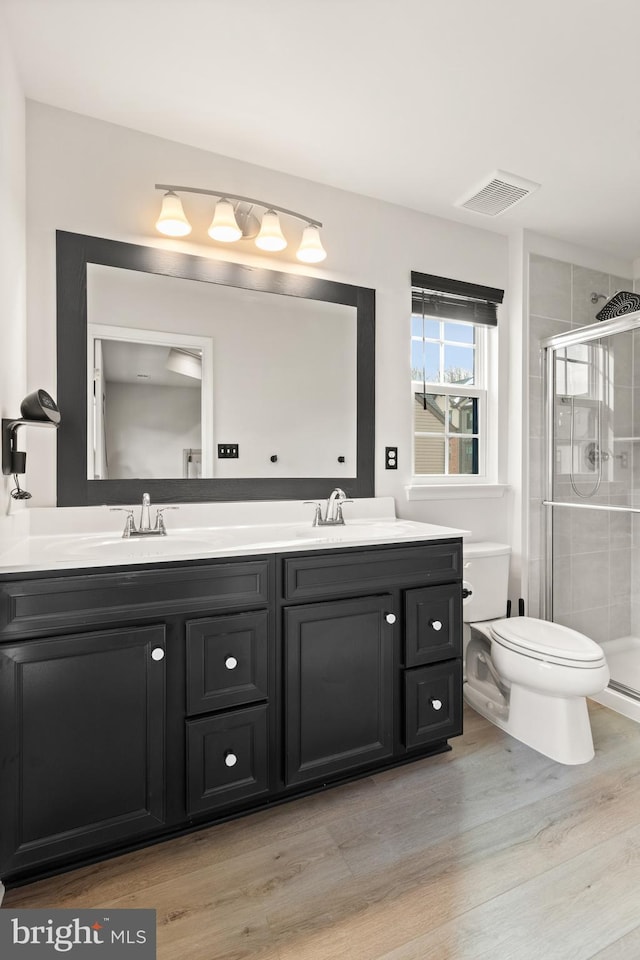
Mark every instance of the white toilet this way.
pixel 530 677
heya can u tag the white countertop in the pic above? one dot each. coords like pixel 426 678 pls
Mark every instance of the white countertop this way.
pixel 39 539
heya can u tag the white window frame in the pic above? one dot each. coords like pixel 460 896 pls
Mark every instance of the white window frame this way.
pixel 480 484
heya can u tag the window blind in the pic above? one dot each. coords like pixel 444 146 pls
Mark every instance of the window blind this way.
pixel 446 299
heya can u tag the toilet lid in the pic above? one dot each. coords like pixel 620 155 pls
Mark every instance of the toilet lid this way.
pixel 542 639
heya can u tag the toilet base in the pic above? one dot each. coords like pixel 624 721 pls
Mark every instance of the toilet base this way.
pixel 557 727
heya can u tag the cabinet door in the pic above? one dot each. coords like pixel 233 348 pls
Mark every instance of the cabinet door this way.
pixel 82 747
pixel 338 686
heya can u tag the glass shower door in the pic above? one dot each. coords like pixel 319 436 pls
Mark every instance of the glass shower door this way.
pixel 590 418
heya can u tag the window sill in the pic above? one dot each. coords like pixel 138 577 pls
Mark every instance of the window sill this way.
pixel 455 491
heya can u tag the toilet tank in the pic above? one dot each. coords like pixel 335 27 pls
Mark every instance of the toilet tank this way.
pixel 485 572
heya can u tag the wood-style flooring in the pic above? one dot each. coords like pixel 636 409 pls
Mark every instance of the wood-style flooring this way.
pixel 489 851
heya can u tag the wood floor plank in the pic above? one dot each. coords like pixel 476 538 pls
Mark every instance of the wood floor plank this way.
pixel 440 880
pixel 568 913
pixel 462 796
pixel 415 862
pixel 626 948
pixel 207 847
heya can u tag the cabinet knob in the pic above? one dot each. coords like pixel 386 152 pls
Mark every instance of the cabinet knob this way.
pixel 157 653
pixel 390 617
pixel 436 624
pixel 230 759
pixel 231 663
pixel 436 704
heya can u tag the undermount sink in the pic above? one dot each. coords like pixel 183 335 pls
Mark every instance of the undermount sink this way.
pixel 360 529
pixel 130 547
pixel 103 548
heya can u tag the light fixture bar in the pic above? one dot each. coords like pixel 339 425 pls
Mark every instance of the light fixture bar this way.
pixel 234 196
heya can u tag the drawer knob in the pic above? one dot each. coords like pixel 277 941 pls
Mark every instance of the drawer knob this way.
pixel 157 653
pixel 231 663
pixel 436 704
pixel 436 624
pixel 230 759
pixel 390 617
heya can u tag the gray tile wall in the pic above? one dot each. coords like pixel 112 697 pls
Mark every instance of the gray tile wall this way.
pixel 595 565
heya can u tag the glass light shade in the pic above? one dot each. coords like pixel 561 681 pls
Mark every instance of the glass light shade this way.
pixel 271 236
pixel 311 249
pixel 224 225
pixel 172 221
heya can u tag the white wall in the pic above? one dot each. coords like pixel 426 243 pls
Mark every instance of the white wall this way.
pixel 87 176
pixel 12 244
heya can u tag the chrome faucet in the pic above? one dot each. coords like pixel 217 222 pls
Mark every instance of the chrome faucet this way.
pixel 333 515
pixel 144 528
pixel 145 515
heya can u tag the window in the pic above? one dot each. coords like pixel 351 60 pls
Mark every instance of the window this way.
pixel 449 328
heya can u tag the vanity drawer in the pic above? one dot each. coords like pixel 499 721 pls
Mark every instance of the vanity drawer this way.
pixel 350 571
pixel 433 703
pixel 433 624
pixel 50 603
pixel 226 661
pixel 227 758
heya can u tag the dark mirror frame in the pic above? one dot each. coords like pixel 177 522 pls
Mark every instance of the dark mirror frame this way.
pixel 73 253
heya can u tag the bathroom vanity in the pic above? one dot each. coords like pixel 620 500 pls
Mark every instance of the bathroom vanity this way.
pixel 141 698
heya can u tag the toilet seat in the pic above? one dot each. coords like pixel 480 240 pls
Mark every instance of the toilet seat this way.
pixel 546 641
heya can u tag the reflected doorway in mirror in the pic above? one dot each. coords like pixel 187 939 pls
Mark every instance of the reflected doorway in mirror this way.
pixel 150 399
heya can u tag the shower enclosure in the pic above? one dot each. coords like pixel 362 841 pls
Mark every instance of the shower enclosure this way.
pixel 592 498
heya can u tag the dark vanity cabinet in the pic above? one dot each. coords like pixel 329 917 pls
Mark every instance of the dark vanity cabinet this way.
pixel 83 741
pixel 117 719
pixel 139 702
pixel 339 685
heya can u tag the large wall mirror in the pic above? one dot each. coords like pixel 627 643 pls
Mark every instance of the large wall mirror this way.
pixel 195 379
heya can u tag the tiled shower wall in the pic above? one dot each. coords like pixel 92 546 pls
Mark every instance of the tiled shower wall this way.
pixel 593 563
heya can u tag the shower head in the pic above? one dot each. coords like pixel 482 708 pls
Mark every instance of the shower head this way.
pixel 621 303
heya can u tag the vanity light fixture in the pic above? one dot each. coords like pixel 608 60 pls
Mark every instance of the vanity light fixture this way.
pixel 172 221
pixel 224 225
pixel 234 219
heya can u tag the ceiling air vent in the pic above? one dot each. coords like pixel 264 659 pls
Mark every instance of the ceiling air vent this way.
pixel 497 193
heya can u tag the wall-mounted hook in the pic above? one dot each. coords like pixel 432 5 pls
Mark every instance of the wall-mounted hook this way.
pixel 274 458
pixel 341 459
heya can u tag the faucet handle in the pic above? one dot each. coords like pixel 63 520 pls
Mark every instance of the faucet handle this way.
pixel 339 505
pixel 129 523
pixel 318 512
pixel 160 518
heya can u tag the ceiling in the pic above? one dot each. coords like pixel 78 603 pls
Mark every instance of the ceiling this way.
pixel 409 101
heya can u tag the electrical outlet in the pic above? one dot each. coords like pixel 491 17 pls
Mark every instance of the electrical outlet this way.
pixel 228 451
pixel 391 458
